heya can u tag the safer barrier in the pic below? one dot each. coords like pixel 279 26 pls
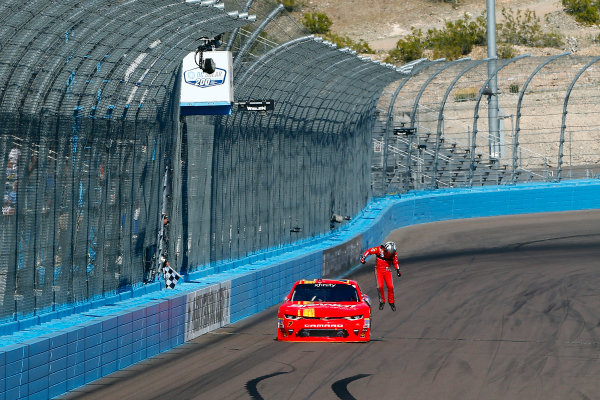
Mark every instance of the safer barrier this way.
pixel 46 360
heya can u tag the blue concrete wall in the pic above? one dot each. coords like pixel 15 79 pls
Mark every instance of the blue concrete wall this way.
pixel 423 207
pixel 46 358
pixel 266 283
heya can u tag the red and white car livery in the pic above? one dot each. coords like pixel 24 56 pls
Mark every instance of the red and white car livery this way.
pixel 325 310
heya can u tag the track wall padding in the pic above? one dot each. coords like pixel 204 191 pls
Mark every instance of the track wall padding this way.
pixel 44 361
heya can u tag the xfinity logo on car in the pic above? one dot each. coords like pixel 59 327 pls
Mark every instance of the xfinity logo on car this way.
pixel 197 77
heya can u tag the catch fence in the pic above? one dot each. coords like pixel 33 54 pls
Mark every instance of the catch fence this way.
pixel 105 181
pixel 434 130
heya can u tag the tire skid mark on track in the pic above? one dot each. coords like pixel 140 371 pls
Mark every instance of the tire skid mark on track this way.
pixel 545 295
pixel 484 382
pixel 537 246
pixel 464 339
pixel 340 388
pixel 357 355
pixel 252 385
pixel 555 238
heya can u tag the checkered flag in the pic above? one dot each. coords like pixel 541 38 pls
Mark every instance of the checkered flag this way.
pixel 171 276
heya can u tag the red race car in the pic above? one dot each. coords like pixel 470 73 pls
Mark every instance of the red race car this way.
pixel 325 310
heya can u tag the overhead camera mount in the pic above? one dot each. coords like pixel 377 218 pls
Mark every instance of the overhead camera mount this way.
pixel 206 44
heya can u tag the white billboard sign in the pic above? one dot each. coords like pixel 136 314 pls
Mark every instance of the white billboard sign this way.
pixel 207 309
pixel 203 93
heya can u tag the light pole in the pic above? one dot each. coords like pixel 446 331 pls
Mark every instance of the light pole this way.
pixel 493 83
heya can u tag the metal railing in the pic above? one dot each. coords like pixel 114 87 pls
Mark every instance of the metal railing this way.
pixel 533 96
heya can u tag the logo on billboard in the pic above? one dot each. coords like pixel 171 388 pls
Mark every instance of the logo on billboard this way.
pixel 197 77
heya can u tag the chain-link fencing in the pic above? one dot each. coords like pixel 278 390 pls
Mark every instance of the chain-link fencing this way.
pixel 98 161
pixel 434 127
pixel 88 122
pixel 104 178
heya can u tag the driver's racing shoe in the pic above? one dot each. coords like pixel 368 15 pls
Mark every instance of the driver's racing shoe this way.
pixel 381 305
pixel 393 306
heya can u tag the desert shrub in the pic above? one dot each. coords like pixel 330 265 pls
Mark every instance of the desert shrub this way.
pixel 318 23
pixel 464 94
pixel 454 3
pixel 525 29
pixel 513 88
pixel 408 49
pixel 289 5
pixel 505 51
pixel 457 38
pixel 584 11
pixel 362 47
pixel 359 46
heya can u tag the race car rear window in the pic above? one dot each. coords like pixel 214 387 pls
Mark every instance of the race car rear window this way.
pixel 328 292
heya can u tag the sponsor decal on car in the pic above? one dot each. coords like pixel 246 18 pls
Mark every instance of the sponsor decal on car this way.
pixel 324 311
pixel 307 312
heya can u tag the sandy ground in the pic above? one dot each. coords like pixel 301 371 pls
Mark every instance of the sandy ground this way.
pixel 383 22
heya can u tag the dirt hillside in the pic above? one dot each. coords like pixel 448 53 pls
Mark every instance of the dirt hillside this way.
pixel 382 22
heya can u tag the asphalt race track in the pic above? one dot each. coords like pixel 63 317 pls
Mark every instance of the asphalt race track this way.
pixel 490 308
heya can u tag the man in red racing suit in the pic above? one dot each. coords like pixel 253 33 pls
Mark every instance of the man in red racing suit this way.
pixel 386 256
